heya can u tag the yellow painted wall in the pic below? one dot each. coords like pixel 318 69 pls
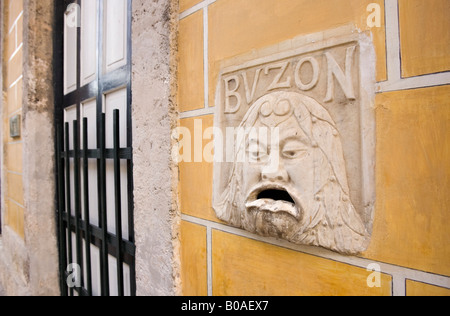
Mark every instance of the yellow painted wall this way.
pixel 422 289
pixel 413 180
pixel 13 213
pixel 411 234
pixel 190 66
pixel 195 194
pixel 425 39
pixel 193 259
pixel 243 267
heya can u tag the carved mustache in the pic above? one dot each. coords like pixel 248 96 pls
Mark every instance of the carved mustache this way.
pixel 273 198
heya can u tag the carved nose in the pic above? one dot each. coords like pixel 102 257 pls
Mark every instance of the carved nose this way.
pixel 275 173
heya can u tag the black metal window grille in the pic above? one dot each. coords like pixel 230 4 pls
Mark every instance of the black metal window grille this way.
pixel 77 235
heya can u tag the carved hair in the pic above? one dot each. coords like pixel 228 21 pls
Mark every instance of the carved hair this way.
pixel 334 222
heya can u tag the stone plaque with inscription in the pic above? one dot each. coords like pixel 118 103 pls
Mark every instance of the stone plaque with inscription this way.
pixel 295 142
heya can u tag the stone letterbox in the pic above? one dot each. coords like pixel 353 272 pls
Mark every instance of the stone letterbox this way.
pixel 296 153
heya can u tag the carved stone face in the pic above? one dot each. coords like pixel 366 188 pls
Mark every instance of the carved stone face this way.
pixel 279 174
pixel 293 182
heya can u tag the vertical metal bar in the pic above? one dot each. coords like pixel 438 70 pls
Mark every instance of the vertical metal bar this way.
pixel 130 145
pixel 58 39
pixel 118 201
pixel 68 200
pixel 77 192
pixel 104 219
pixel 61 207
pixel 101 161
pixel 86 208
pixel 77 174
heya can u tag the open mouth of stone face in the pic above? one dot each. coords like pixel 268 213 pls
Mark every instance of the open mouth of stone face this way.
pixel 276 195
pixel 275 200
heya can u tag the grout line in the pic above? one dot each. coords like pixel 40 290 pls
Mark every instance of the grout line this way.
pixel 14 172
pixel 418 82
pixel 209 259
pixel 16 81
pixel 205 56
pixel 392 41
pixel 195 8
pixel 191 10
pixel 15 142
pixel 398 285
pixel 195 113
pixel 398 273
pixel 15 22
pixel 15 202
pixel 14 113
pixel 15 52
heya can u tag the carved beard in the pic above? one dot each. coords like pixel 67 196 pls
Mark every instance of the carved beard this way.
pixel 330 221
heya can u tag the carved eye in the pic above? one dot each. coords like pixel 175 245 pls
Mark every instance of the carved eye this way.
pixel 257 153
pixel 292 154
pixel 294 150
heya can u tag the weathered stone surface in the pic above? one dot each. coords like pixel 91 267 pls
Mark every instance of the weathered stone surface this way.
pixel 155 174
pixel 30 266
pixel 39 163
